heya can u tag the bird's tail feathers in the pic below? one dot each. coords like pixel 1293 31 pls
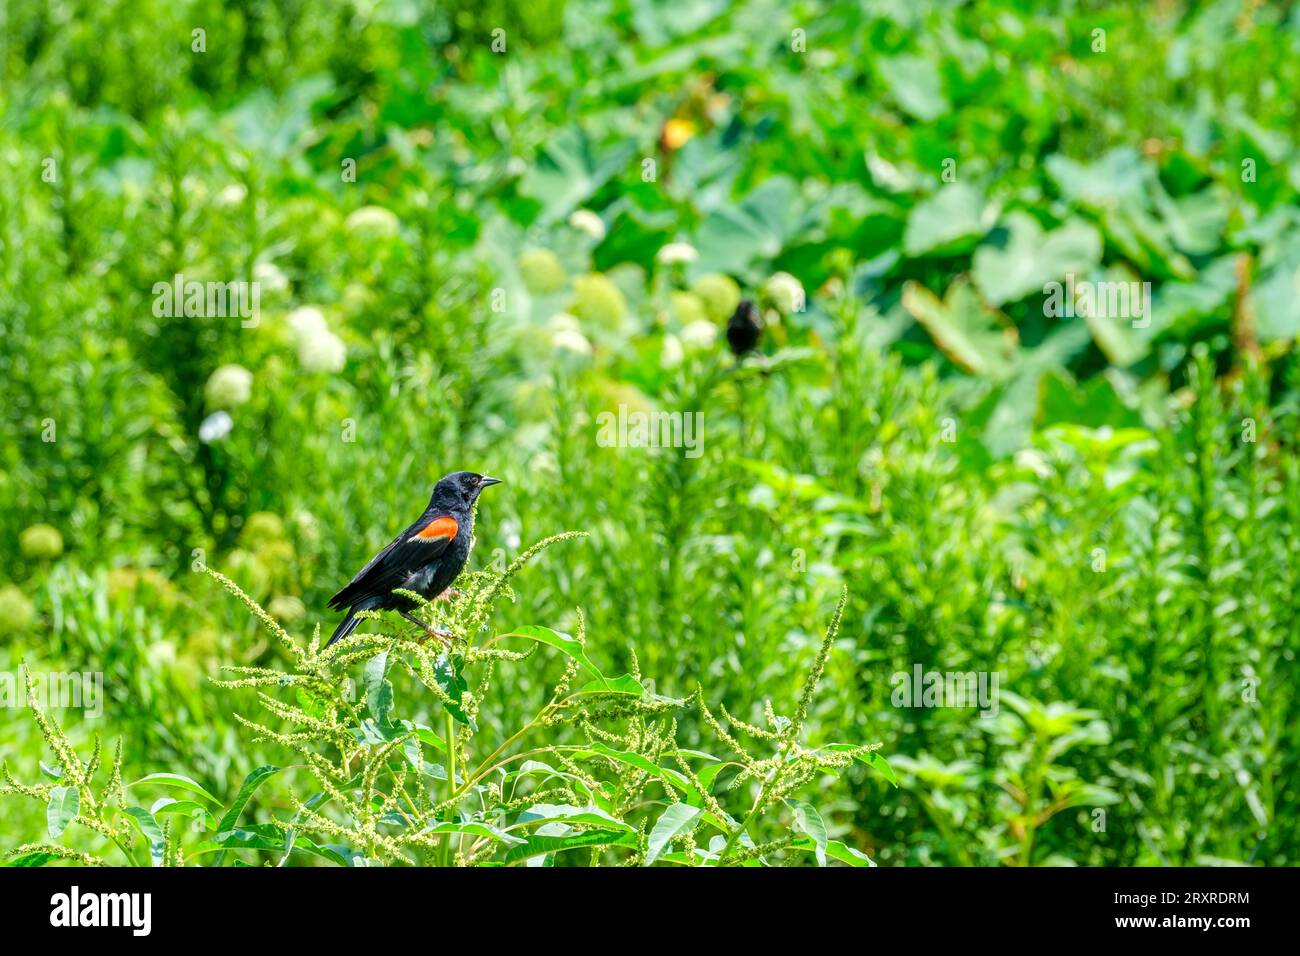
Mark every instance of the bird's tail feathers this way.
pixel 346 627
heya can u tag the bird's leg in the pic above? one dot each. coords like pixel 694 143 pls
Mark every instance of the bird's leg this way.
pixel 430 630
pixel 449 595
pixel 443 635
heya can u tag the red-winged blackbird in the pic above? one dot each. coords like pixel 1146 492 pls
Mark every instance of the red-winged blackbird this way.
pixel 743 328
pixel 425 558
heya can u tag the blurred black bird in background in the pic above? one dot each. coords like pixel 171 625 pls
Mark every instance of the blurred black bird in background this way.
pixel 744 328
pixel 425 558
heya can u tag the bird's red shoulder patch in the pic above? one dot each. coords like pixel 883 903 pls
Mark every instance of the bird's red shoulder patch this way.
pixel 439 528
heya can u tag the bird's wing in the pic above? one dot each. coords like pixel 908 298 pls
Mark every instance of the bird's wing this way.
pixel 415 547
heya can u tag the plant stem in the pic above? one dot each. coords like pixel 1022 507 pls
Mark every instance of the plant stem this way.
pixel 749 818
pixel 451 780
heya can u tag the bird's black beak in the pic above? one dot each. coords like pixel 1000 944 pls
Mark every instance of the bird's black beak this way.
pixel 485 481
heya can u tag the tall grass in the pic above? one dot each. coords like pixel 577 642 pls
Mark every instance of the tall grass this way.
pixel 598 769
pixel 1108 535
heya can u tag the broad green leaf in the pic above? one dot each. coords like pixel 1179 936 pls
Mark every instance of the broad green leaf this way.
pixel 1021 257
pixel 271 839
pixel 950 221
pixel 548 812
pixel 623 684
pixel 1189 304
pixel 63 806
pixel 454 685
pixel 871 758
pixel 967 330
pixel 1117 338
pixel 531 767
pixel 33 859
pixel 915 84
pixel 241 839
pixel 706 775
pixel 1094 403
pixel 674 821
pixel 346 855
pixel 1144 241
pixel 379 692
pixel 165 806
pixel 177 781
pixel 246 790
pixel 1119 178
pixel 808 821
pixel 476 829
pixel 880 764
pixel 737 235
pixel 561 642
pixel 145 822
pixel 553 844
pixel 836 850
pixel 426 735
pixel 672 776
pixel 1274 297
pixel 569 169
pixel 1196 222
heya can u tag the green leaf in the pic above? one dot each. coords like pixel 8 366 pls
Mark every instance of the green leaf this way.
pixel 246 790
pixel 836 850
pixel 147 824
pixel 623 684
pixel 1118 179
pixel 881 766
pixel 531 767
pixel 735 236
pixel 33 859
pixel 807 820
pixel 177 781
pixel 547 812
pixel 1116 336
pixel 454 685
pixel 674 777
pixel 271 839
pixel 1190 303
pixel 950 221
pixel 242 839
pixel 476 829
pixel 561 642
pixel 1021 257
pixel 570 169
pixel 967 330
pixel 291 835
pixel 871 758
pixel 674 821
pixel 1196 222
pixel 707 774
pixel 379 692
pixel 426 735
pixel 164 806
pixel 1095 403
pixel 538 843
pixel 64 804
pixel 1274 296
pixel 915 84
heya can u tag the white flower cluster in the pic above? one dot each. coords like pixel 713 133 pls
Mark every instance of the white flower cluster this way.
pixel 228 387
pixel 319 349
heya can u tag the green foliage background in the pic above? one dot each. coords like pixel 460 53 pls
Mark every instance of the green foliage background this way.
pixel 1148 709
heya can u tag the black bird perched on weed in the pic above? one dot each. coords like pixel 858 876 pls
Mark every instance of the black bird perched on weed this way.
pixel 425 558
pixel 744 328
